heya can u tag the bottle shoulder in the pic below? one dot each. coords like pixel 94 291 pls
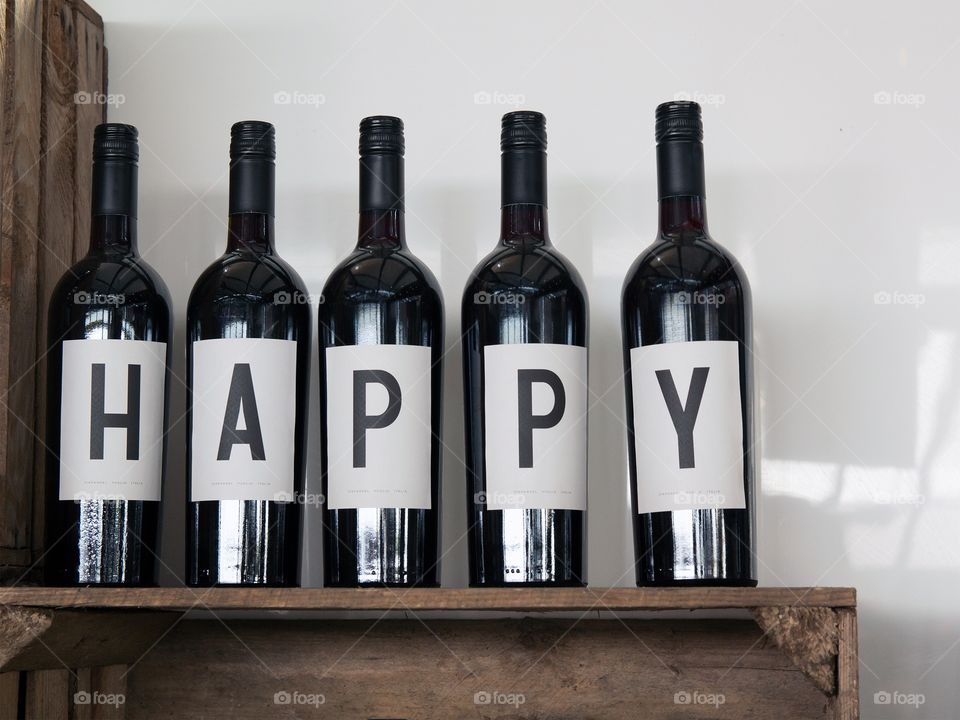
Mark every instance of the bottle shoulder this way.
pixel 113 275
pixel 528 269
pixel 381 275
pixel 245 277
pixel 689 264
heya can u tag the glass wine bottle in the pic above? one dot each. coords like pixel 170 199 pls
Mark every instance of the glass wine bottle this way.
pixel 248 355
pixel 524 316
pixel 687 344
pixel 381 344
pixel 109 339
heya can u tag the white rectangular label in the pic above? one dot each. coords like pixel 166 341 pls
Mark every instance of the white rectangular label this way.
pixel 244 419
pixel 688 426
pixel 111 419
pixel 535 426
pixel 378 427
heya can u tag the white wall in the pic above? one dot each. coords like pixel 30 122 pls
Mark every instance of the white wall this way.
pixel 827 195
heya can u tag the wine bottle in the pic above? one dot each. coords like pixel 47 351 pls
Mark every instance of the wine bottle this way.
pixel 525 386
pixel 381 344
pixel 109 337
pixel 248 352
pixel 687 343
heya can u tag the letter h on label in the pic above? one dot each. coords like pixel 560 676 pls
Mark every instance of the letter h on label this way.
pixel 100 419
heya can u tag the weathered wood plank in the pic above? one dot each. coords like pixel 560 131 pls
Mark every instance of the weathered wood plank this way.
pixel 32 638
pixel 519 600
pixel 55 248
pixel 20 195
pixel 109 692
pixel 848 667
pixel 545 669
pixel 49 695
pixel 808 636
pixel 90 74
pixel 9 695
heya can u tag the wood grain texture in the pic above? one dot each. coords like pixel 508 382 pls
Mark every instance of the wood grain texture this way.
pixel 808 636
pixel 9 695
pixel 83 638
pixel 49 51
pixel 20 628
pixel 20 195
pixel 847 704
pixel 550 669
pixel 468 599
pixel 49 695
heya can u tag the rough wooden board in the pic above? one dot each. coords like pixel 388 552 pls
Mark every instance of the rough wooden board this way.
pixel 110 681
pixel 19 629
pixel 90 78
pixel 20 181
pixel 334 599
pixel 847 703
pixel 81 638
pixel 48 695
pixel 406 669
pixel 808 636
pixel 9 695
pixel 55 250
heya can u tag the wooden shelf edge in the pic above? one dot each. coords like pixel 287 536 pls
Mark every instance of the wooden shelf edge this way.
pixel 424 599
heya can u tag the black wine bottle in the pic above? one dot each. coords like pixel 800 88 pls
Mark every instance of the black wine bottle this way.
pixel 107 382
pixel 525 386
pixel 687 343
pixel 248 352
pixel 381 344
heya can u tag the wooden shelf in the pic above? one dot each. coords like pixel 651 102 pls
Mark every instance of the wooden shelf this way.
pixel 423 599
pixel 794 653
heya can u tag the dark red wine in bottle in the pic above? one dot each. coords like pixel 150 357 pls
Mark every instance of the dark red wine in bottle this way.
pixel 381 344
pixel 524 316
pixel 687 341
pixel 109 349
pixel 248 353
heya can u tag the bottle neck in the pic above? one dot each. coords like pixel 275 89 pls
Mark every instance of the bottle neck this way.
pixel 250 232
pixel 113 234
pixel 681 188
pixel 113 203
pixel 683 216
pixel 523 196
pixel 381 201
pixel 252 192
pixel 381 229
pixel 521 224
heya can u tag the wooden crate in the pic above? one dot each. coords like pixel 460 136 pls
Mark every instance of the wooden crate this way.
pixel 54 82
pixel 550 654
